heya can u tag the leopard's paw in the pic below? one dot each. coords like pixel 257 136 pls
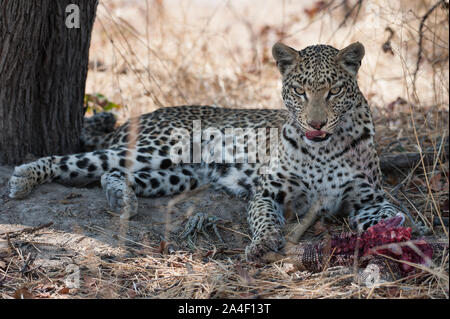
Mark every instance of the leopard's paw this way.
pixel 21 182
pixel 263 247
pixel 121 199
pixel 371 216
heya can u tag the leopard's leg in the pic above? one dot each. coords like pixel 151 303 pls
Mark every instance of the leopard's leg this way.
pixel 368 204
pixel 265 217
pixel 122 187
pixel 78 168
pixel 27 176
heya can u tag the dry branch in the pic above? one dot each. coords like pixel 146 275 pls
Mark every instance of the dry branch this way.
pixel 393 162
pixel 26 230
pixel 422 24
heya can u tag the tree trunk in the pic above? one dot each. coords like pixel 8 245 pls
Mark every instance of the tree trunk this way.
pixel 43 68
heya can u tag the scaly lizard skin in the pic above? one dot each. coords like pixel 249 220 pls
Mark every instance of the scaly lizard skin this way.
pixel 386 238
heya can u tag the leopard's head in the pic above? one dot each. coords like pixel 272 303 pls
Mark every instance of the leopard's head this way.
pixel 319 86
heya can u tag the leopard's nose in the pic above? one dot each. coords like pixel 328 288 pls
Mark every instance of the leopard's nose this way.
pixel 317 124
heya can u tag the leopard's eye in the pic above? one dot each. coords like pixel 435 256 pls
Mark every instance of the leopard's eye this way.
pixel 335 90
pixel 299 91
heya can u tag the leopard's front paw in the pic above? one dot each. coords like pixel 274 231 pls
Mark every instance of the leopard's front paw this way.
pixel 370 217
pixel 21 182
pixel 262 246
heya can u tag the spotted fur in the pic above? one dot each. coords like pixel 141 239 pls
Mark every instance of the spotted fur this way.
pixel 338 167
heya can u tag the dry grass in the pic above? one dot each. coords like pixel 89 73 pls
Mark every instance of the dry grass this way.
pixel 149 54
pixel 203 274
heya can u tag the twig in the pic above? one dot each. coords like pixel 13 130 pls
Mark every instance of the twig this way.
pixel 419 54
pixel 393 162
pixel 357 6
pixel 27 263
pixel 25 231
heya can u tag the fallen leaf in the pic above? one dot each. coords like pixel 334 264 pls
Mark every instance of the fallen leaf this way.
pixel 162 245
pixel 64 290
pixel 23 293
pixel 436 184
pixel 392 179
pixel 166 248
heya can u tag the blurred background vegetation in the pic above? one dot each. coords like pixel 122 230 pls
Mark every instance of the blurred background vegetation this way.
pixel 146 54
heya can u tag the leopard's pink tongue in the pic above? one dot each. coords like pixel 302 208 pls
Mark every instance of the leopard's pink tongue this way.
pixel 313 134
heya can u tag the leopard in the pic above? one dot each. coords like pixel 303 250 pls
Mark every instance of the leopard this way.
pixel 324 152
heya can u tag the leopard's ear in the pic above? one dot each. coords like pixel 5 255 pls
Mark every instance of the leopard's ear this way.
pixel 285 56
pixel 350 57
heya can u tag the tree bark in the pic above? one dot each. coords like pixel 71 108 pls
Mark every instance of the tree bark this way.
pixel 43 68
